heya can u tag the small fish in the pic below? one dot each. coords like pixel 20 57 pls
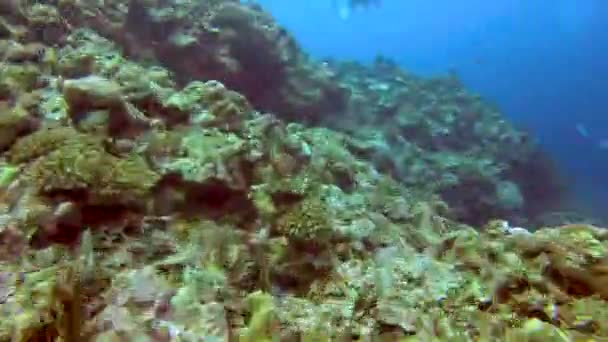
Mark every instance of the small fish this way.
pixel 478 61
pixel 343 7
pixel 582 130
pixel 344 13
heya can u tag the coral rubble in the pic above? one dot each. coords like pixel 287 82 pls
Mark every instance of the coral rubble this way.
pixel 160 180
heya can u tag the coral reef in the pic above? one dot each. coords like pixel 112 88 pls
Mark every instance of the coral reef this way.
pixel 416 129
pixel 240 45
pixel 146 195
pixel 420 129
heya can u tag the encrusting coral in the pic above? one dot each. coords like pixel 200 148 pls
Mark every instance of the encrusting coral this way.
pixel 144 197
pixel 64 160
pixel 13 122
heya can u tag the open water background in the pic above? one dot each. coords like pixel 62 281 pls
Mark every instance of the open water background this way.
pixel 543 62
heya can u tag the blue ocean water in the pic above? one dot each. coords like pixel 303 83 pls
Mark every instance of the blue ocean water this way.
pixel 544 63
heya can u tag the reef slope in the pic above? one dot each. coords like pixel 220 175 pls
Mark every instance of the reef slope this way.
pixel 183 171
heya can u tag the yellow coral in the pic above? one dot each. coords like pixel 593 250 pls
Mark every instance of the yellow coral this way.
pixel 19 77
pixel 65 160
pixel 537 330
pixel 42 142
pixel 263 323
pixel 308 220
pixel 11 123
pixel 106 177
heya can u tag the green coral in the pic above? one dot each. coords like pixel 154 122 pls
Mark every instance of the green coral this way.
pixel 8 173
pixel 263 317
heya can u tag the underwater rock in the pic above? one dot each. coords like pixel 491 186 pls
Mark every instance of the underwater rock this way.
pixel 206 154
pixel 210 104
pixel 88 94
